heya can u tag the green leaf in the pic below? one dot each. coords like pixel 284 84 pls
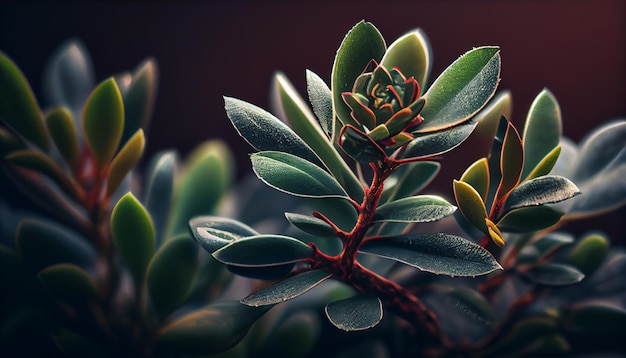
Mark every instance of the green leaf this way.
pixel 322 102
pixel 125 161
pixel 529 219
pixel 547 189
pixel 422 208
pixel 311 225
pixel 411 178
pixel 411 54
pixel 511 162
pixel 360 146
pixel 489 117
pixel 139 98
pixel 205 178
pixel 212 329
pixel 599 150
pixel 589 253
pixel 171 273
pixel 555 274
pixel 439 142
pixel 69 283
pixel 287 289
pixel 437 253
pixel 62 129
pixel 305 125
pixel 9 142
pixel 263 131
pixel 546 164
pixel 597 316
pixel 524 333
pixel 18 106
pixel 477 176
pixel 296 336
pixel 213 232
pixel 361 44
pixel 158 190
pixel 462 89
pixel 293 175
pixel 263 250
pixel 471 205
pixel 133 235
pixel 356 313
pixel 266 273
pixel 542 130
pixel 103 121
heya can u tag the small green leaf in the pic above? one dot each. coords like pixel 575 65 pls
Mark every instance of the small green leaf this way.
pixel 362 44
pixel 212 329
pixel 103 121
pixel 589 253
pixel 159 189
pixel 597 316
pixel 477 176
pixel 411 178
pixel 422 208
pixel 546 164
pixel 322 102
pixel 542 130
pixel 63 132
pixel 462 89
pixel 412 55
pixel 524 333
pixel 133 235
pixel 529 219
pixel 360 146
pixel 294 175
pixel 125 161
pixel 511 162
pixel 356 313
pixel 437 253
pixel 555 274
pixel 69 283
pixel 471 205
pixel 213 232
pixel 287 289
pixel 311 225
pixel 139 98
pixel 439 142
pixel 171 273
pixel 547 189
pixel 263 250
pixel 18 106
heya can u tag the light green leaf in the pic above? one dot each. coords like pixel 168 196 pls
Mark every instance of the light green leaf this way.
pixel 471 205
pixel 529 219
pixel 489 117
pixel 322 102
pixel 287 289
pixel 63 132
pixel 139 98
pixel 411 178
pixel 555 274
pixel 422 208
pixel 69 283
pixel 410 53
pixel 311 225
pixel 589 253
pixel 477 176
pixel 356 313
pixel 547 189
pixel 263 250
pixel 546 164
pixel 125 161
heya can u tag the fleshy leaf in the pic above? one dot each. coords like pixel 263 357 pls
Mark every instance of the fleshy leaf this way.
pixel 294 175
pixel 439 142
pixel 524 333
pixel 263 131
pixel 212 329
pixel 546 164
pixel 322 102
pixel 356 313
pixel 555 274
pixel 411 178
pixel 489 117
pixel 589 253
pixel 471 205
pixel 362 44
pixel 266 273
pixel 296 336
pixel 599 150
pixel 597 316
pixel 139 98
pixel 542 130
pixel 477 176
pixel 511 162
pixel 213 232
pixel 171 273
pixel 62 129
pixel 412 55
pixel 125 161
pixel 529 219
pixel 287 289
pixel 311 225
pixel 360 146
pixel 263 250
pixel 437 253
pixel 462 89
pixel 133 235
pixel 547 189
pixel 18 106
pixel 69 282
pixel 158 190
pixel 422 208
pixel 103 121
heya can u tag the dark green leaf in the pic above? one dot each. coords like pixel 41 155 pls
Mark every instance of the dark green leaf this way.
pixel 411 54
pixel 18 106
pixel 462 89
pixel 439 142
pixel 158 190
pixel 362 44
pixel 9 142
pixel 267 273
pixel 589 253
pixel 294 175
pixel 74 345
pixel 524 333
pixel 546 164
pixel 471 205
pixel 287 289
pixel 125 161
pixel 555 274
pixel 597 316
pixel 437 253
pixel 543 247
pixel 311 225
pixel 477 176
pixel 529 219
pixel 322 102
pixel 213 232
pixel 63 132
pixel 356 313
pixel 547 189
pixel 422 208
pixel 359 146
pixel 410 179
pixel 139 98
pixel 295 337
pixel 511 162
pixel 263 250
pixel 69 283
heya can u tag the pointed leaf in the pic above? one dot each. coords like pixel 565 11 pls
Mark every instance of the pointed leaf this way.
pixel 412 178
pixel 139 98
pixel 263 250
pixel 213 232
pixel 542 130
pixel 311 225
pixel 477 176
pixel 18 106
pixel 422 208
pixel 412 55
pixel 437 253
pixel 471 205
pixel 546 164
pixel 294 175
pixel 125 161
pixel 356 313
pixel 547 189
pixel 462 89
pixel 322 102
pixel 555 274
pixel 362 44
pixel 440 142
pixel 158 190
pixel 69 283
pixel 511 162
pixel 62 129
pixel 133 235
pixel 529 219
pixel 287 289
pixel 263 131
pixel 103 121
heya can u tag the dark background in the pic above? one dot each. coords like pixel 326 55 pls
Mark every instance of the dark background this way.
pixel 575 48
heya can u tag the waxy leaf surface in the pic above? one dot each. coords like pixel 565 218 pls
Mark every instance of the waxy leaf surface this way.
pixel 436 143
pixel 471 205
pixel 412 55
pixel 263 250
pixel 529 219
pixel 322 102
pixel 555 274
pixel 311 225
pixel 422 208
pixel 477 176
pixel 356 313
pixel 547 189
pixel 287 289
pixel 214 232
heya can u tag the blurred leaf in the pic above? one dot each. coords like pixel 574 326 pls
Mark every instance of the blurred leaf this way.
pixel 439 142
pixel 412 55
pixel 69 283
pixel 597 316
pixel 263 250
pixel 125 161
pixel 555 274
pixel 360 45
pixel 525 332
pixel 477 176
pixel 18 106
pixel 442 254
pixel 462 89
pixel 511 162
pixel 133 235
pixel 204 180
pixel 295 337
pixel 139 98
pixel 599 151
pixel 529 219
pixel 471 205
pixel 62 129
pixel 589 253
pixel 103 121
pixel 547 189
pixel 287 289
pixel 410 179
pixel 213 232
pixel 546 164
pixel 158 190
pixel 266 273
pixel 293 175
pixel 9 142
pixel 544 247
pixel 311 225
pixel 171 273
pixel 489 117
pixel 356 313
pixel 422 208
pixel 322 102
pixel 359 146
pixel 212 329
pixel 542 130
pixel 74 345
pixel 494 160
